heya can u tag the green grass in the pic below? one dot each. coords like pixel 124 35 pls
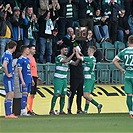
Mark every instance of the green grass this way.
pixel 89 123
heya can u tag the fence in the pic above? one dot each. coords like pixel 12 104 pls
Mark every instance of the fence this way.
pixel 105 73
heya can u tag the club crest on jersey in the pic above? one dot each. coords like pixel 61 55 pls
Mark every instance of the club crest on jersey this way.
pixel 28 66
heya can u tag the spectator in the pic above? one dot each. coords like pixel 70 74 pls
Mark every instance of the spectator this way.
pixel 5 28
pixel 48 5
pixel 32 3
pixel 123 26
pixel 86 12
pixel 30 30
pixel 66 15
pixel 91 41
pixel 113 20
pixel 128 7
pixel 100 27
pixel 17 22
pixel 55 45
pixel 45 36
pixel 130 22
pixel 12 3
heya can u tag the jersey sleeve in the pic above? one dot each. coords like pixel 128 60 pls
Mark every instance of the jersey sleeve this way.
pixel 86 59
pixel 19 63
pixel 60 58
pixel 119 55
pixel 7 58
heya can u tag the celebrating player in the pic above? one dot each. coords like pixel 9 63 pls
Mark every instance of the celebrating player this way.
pixel 126 56
pixel 89 75
pixel 60 78
pixel 8 78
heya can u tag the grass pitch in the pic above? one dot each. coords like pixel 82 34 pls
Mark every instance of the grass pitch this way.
pixel 89 123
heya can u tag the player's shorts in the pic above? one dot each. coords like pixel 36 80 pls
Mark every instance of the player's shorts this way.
pixel 34 88
pixel 128 85
pixel 60 86
pixel 8 84
pixel 26 89
pixel 88 85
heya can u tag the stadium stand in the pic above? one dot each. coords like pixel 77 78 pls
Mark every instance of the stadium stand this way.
pixel 119 46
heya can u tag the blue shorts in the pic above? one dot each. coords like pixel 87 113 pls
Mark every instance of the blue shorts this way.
pixel 26 89
pixel 8 84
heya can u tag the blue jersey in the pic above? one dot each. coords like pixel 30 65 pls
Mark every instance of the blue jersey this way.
pixel 24 63
pixel 7 56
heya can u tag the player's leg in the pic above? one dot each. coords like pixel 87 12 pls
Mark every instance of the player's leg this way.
pixel 62 97
pixel 87 103
pixel 57 92
pixel 79 95
pixel 88 88
pixel 73 88
pixel 9 88
pixel 128 88
pixel 31 98
pixel 25 91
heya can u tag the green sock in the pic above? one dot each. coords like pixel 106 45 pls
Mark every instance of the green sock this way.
pixel 62 103
pixel 129 103
pixel 94 102
pixel 53 102
pixel 86 107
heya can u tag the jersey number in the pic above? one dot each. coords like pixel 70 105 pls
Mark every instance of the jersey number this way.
pixel 129 58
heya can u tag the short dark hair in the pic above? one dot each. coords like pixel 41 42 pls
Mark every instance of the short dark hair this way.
pixel 11 44
pixel 23 47
pixel 30 46
pixel 130 39
pixel 93 47
pixel 63 46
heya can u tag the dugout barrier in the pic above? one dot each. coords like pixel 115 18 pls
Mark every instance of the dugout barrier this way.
pixel 105 73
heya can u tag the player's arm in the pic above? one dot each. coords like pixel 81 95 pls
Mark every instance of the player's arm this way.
pixel 116 63
pixel 75 63
pixel 68 59
pixel 4 65
pixel 21 76
pixel 79 57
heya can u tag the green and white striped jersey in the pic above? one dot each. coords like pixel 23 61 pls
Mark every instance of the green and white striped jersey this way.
pixel 126 56
pixel 61 68
pixel 90 62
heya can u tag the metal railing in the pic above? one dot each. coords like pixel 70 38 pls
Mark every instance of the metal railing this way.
pixel 103 74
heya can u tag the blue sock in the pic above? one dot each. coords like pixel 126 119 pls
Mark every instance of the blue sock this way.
pixel 8 106
pixel 5 103
pixel 23 101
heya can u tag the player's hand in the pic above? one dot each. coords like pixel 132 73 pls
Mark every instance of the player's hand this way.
pixel 122 71
pixel 39 80
pixel 33 83
pixel 9 75
pixel 23 84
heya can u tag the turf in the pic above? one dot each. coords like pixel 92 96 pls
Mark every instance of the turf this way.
pixel 89 123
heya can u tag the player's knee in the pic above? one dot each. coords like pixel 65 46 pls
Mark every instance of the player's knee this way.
pixel 62 95
pixel 56 95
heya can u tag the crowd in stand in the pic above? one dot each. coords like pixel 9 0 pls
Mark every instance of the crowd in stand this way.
pixel 45 23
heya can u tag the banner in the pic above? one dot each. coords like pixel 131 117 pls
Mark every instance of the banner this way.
pixel 112 97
